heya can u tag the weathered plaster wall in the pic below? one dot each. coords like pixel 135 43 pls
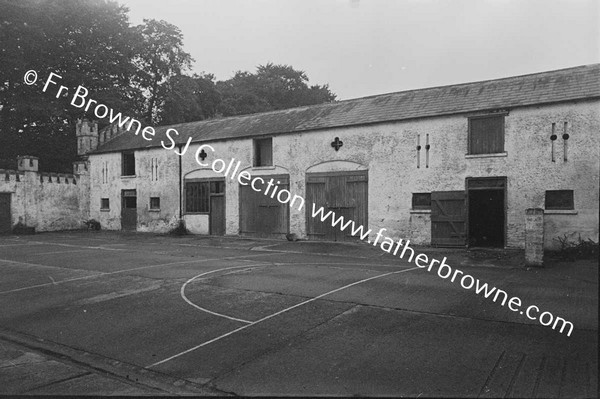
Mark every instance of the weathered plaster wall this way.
pixel 534 172
pixel 388 151
pixel 157 175
pixel 46 201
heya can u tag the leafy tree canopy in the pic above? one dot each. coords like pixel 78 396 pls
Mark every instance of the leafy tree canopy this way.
pixel 137 70
pixel 272 87
pixel 160 58
pixel 85 42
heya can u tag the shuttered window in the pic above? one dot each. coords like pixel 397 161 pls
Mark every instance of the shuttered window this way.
pixel 486 135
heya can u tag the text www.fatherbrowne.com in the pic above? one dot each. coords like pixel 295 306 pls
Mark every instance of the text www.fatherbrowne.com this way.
pixel 285 197
pixel 444 270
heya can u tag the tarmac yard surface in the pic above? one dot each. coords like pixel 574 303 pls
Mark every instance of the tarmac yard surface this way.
pixel 115 313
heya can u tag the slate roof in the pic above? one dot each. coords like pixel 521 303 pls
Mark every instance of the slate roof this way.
pixel 582 82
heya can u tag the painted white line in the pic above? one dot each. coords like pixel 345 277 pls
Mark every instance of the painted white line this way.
pixel 53 283
pixel 77 246
pixel 185 298
pixel 212 246
pixel 13 245
pixel 16 262
pixel 59 252
pixel 80 237
pixel 116 272
pixel 276 314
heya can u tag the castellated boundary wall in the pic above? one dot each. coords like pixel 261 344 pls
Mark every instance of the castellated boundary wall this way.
pixel 46 201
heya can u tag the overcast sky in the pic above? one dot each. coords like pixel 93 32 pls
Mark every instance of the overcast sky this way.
pixel 366 47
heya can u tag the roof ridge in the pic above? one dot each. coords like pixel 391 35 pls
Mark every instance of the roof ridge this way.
pixel 476 81
pixel 566 84
pixel 333 103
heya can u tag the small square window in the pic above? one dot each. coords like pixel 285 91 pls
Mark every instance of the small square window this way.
pixel 559 200
pixel 155 203
pixel 421 201
pixel 104 203
pixel 263 152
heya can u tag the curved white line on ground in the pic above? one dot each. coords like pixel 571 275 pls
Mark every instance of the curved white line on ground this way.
pixel 276 313
pixel 117 271
pixel 185 298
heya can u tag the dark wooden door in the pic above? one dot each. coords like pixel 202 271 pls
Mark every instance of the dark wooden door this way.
pixel 448 218
pixel 486 211
pixel 261 215
pixel 217 215
pixel 128 210
pixel 5 215
pixel 344 194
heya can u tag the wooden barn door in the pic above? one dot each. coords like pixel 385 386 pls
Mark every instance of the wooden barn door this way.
pixel 5 215
pixel 343 193
pixel 448 218
pixel 261 215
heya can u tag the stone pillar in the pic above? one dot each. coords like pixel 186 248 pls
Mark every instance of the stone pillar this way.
pixel 30 190
pixel 81 170
pixel 534 237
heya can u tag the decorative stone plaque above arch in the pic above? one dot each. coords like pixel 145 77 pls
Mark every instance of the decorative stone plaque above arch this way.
pixel 336 166
pixel 205 173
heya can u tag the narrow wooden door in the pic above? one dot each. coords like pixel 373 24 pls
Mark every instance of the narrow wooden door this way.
pixel 5 215
pixel 128 210
pixel 448 218
pixel 217 215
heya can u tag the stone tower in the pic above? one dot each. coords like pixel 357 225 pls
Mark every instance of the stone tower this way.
pixel 87 136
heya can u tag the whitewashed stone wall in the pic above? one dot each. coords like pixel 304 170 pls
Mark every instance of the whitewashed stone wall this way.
pixel 388 151
pixel 45 201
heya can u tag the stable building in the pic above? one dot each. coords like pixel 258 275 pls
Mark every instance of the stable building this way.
pixel 455 165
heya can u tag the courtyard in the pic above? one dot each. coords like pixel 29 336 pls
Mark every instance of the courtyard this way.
pixel 102 313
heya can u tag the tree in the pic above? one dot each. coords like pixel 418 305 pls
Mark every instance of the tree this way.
pixel 189 98
pixel 161 57
pixel 138 71
pixel 86 42
pixel 272 87
pixel 241 95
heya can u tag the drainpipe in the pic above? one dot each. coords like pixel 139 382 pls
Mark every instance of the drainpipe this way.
pixel 180 187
